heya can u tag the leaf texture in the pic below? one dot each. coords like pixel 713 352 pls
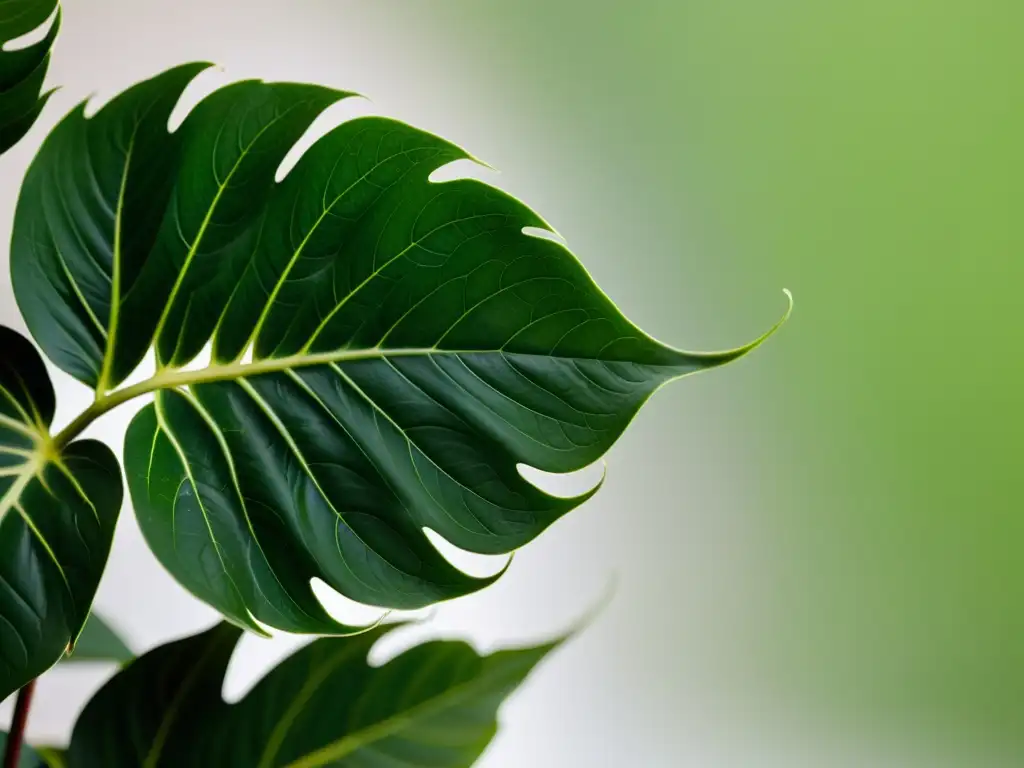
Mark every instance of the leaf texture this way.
pixel 23 70
pixel 386 351
pixel 434 706
pixel 58 509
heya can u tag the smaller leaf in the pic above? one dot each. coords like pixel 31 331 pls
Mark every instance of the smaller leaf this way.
pixel 434 706
pixel 98 642
pixel 53 757
pixel 29 757
pixel 59 506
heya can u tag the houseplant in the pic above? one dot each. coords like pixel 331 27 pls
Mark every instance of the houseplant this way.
pixel 385 351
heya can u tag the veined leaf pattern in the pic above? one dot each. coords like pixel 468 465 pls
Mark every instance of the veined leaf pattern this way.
pixel 58 509
pixel 386 350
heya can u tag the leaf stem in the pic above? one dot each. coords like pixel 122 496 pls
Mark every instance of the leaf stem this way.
pixel 17 734
pixel 168 378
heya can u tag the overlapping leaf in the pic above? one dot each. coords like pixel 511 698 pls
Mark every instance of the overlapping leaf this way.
pixel 385 350
pixel 433 706
pixel 99 642
pixel 23 70
pixel 29 757
pixel 58 508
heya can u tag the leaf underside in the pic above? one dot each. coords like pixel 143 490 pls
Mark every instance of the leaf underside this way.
pixel 433 706
pixel 23 70
pixel 58 509
pixel 385 350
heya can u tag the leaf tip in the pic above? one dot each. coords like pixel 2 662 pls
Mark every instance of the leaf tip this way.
pixel 590 615
pixel 771 331
pixel 482 163
pixel 779 323
pixel 485 581
pixel 713 359
pixel 590 493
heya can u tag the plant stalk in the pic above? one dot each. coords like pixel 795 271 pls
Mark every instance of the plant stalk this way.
pixel 17 735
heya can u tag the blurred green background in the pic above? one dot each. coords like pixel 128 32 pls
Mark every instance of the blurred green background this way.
pixel 818 550
pixel 869 157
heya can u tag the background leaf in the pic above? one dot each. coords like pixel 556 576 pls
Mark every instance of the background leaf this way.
pixel 99 642
pixel 52 757
pixel 29 757
pixel 58 510
pixel 434 705
pixel 22 71
pixel 386 350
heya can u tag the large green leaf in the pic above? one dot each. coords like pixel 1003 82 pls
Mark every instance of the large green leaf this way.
pixel 433 706
pixel 29 757
pixel 58 508
pixel 23 70
pixel 386 350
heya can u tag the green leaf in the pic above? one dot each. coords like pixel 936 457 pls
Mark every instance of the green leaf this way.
pixel 29 757
pixel 98 642
pixel 87 176
pixel 22 71
pixel 53 757
pixel 58 508
pixel 386 350
pixel 434 705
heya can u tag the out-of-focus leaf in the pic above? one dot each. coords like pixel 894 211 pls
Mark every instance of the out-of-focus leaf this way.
pixel 29 757
pixel 433 706
pixel 53 757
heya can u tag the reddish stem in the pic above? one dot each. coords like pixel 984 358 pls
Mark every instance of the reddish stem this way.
pixel 17 734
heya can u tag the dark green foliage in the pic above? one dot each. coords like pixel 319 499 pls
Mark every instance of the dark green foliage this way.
pixel 22 71
pixel 58 509
pixel 385 350
pixel 385 353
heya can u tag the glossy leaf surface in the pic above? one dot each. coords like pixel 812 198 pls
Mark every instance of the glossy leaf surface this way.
pixel 433 706
pixel 23 70
pixel 58 509
pixel 386 350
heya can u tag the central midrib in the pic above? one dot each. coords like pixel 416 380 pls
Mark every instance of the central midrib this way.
pixel 169 378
